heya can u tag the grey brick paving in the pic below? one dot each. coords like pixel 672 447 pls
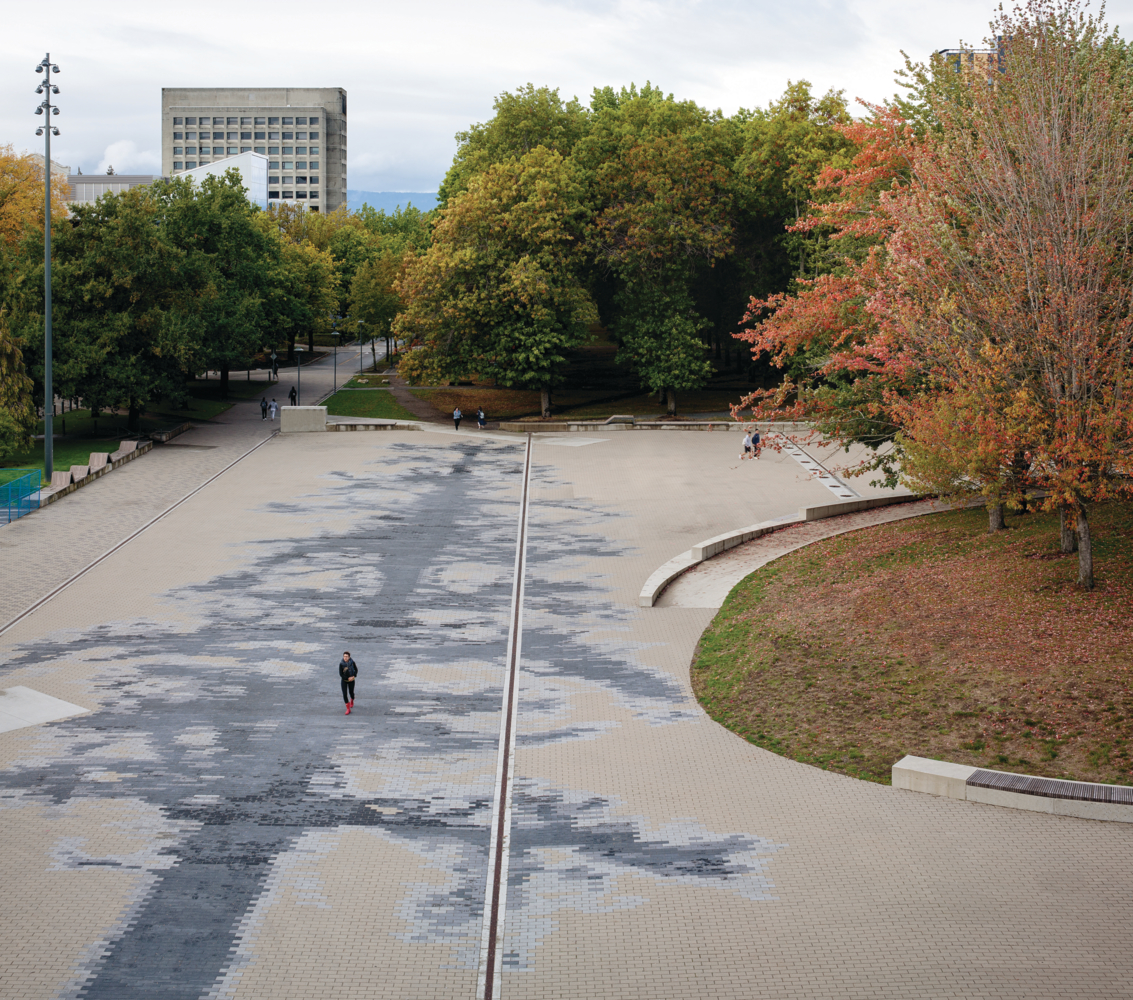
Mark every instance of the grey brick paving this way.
pixel 217 828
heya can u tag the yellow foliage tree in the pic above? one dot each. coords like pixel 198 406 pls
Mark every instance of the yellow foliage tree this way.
pixel 21 195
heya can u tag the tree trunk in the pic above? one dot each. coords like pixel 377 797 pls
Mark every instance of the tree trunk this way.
pixel 374 351
pixel 133 418
pixel 311 339
pixel 1068 537
pixel 1085 552
pixel 671 395
pixel 545 402
pixel 224 381
pixel 290 348
pixel 995 519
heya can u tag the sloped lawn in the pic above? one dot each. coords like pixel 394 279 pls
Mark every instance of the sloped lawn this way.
pixel 933 638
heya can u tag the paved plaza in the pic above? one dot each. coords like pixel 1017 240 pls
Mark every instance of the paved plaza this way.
pixel 214 826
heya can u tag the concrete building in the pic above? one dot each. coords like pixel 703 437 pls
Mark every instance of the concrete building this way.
pixel 300 130
pixel 253 169
pixel 86 188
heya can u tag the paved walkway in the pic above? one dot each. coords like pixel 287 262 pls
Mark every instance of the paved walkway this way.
pixel 216 827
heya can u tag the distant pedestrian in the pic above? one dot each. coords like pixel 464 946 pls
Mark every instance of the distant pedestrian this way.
pixel 347 671
pixel 293 395
pixel 456 417
pixel 274 408
pixel 747 446
pixel 755 447
pixel 481 418
pixel 263 408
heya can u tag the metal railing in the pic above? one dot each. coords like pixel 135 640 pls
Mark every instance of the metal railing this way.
pixel 19 492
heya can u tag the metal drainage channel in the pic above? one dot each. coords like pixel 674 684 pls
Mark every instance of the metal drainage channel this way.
pixel 495 894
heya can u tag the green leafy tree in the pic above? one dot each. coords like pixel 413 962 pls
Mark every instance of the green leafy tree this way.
pixel 500 291
pixel 17 411
pixel 126 318
pixel 524 120
pixel 215 225
pixel 660 173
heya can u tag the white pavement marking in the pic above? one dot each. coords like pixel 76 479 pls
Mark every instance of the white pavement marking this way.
pixel 819 471
pixel 22 706
pixel 114 548
pixel 495 893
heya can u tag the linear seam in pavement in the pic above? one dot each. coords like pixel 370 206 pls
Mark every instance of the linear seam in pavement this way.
pixel 495 892
pixel 114 548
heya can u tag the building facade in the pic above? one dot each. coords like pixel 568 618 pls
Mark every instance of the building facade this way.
pixel 253 169
pixel 87 188
pixel 300 130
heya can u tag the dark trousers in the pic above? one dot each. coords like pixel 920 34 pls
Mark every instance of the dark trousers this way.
pixel 456 421
pixel 348 691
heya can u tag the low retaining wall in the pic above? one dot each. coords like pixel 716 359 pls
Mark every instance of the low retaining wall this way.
pixel 666 574
pixel 142 448
pixel 386 425
pixel 162 436
pixel 302 419
pixel 1084 799
pixel 628 424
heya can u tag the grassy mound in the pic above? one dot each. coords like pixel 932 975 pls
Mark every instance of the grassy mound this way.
pixel 931 637
pixel 376 403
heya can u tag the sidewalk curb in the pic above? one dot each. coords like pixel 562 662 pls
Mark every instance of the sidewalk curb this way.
pixel 660 578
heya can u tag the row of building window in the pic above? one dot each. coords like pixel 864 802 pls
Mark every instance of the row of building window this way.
pixel 220 150
pixel 297 180
pixel 244 121
pixel 275 195
pixel 294 165
pixel 261 136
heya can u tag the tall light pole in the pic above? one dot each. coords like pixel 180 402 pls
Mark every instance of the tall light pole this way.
pixel 299 375
pixel 47 130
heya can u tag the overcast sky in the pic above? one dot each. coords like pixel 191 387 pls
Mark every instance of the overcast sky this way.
pixel 418 72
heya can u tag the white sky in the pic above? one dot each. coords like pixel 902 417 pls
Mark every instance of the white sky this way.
pixel 418 72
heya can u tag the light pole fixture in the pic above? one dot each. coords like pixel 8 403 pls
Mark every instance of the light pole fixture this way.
pixel 47 130
pixel 334 333
pixel 299 375
pixel 359 347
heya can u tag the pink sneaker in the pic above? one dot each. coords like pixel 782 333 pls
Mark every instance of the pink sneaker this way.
pixel 347 709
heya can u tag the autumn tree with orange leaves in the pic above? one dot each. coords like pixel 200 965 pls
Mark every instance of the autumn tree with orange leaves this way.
pixel 989 327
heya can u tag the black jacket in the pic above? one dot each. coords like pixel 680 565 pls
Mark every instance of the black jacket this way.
pixel 347 669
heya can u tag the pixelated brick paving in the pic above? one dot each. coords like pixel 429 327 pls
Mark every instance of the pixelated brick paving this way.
pixel 217 827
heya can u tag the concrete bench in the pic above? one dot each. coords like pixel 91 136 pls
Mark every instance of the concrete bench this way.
pixel 98 460
pixel 59 480
pixel 1084 799
pixel 125 447
pixel 79 472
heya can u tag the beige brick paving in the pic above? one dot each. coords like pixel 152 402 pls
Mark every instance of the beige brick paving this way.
pixel 683 861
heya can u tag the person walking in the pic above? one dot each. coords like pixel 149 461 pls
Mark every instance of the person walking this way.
pixel 481 418
pixel 263 408
pixel 347 671
pixel 755 444
pixel 747 446
pixel 456 417
pixel 274 408
pixel 293 395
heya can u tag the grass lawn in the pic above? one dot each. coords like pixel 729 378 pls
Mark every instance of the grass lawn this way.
pixel 377 403
pixel 931 637
pixel 68 452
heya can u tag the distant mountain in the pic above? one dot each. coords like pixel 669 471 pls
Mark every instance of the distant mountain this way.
pixel 388 201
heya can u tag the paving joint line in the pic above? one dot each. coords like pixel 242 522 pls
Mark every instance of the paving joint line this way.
pixel 495 892
pixel 129 538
